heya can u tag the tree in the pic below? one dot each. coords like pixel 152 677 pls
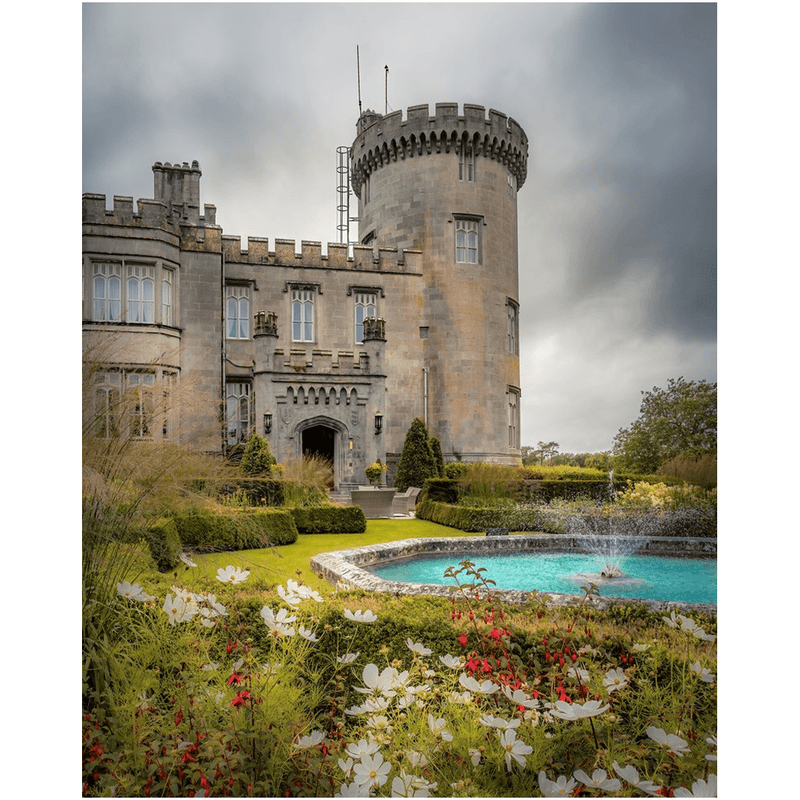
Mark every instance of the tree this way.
pixel 678 420
pixel 417 461
pixel 438 457
pixel 257 457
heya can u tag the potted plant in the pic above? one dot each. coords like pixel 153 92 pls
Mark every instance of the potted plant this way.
pixel 374 472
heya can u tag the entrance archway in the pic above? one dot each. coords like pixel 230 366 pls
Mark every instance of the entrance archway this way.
pixel 320 441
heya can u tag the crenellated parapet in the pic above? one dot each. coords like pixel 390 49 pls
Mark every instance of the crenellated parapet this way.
pixel 285 254
pixel 149 213
pixel 384 139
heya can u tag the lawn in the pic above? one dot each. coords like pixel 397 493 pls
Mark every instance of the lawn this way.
pixel 275 565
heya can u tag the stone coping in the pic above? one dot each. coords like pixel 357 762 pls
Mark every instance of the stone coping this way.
pixel 351 567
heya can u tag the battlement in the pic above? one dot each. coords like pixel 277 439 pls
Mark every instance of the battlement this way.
pixel 382 139
pixel 151 213
pixel 365 257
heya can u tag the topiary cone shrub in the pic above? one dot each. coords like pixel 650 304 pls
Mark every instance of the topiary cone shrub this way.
pixel 257 457
pixel 417 461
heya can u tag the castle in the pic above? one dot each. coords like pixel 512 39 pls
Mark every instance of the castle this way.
pixel 331 353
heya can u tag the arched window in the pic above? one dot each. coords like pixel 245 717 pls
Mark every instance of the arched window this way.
pixel 106 293
pixel 366 306
pixel 467 241
pixel 237 413
pixel 302 315
pixel 141 294
pixel 237 312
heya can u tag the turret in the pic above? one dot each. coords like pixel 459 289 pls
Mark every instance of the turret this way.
pixel 447 184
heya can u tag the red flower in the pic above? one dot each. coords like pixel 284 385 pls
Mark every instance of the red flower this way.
pixel 179 716
pixel 462 640
pixel 241 698
pixel 494 634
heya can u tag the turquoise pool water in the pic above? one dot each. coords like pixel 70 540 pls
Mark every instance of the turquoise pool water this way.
pixel 687 580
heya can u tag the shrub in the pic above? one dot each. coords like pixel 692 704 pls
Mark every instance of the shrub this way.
pixel 454 470
pixel 244 530
pixel 305 481
pixel 257 457
pixel 165 544
pixel 438 458
pixel 417 462
pixel 329 519
pixel 658 495
pixel 256 491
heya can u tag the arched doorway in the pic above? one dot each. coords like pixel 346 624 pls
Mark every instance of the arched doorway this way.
pixel 320 440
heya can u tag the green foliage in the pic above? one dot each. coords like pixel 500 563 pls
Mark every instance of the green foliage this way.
pixel 442 490
pixel 329 519
pixel 257 458
pixel 165 544
pixel 488 485
pixel 438 457
pixel 678 420
pixel 454 470
pixel 417 462
pixel 474 519
pixel 204 530
pixel 305 481
pixel 254 491
pixel 697 471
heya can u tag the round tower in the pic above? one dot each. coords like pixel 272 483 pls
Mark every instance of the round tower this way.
pixel 447 184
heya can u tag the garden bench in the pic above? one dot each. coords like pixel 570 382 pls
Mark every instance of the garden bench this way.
pixel 375 503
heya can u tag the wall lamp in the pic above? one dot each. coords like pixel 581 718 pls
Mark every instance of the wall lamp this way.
pixel 267 422
pixel 378 423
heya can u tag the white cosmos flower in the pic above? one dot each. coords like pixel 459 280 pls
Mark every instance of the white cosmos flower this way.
pixel 514 748
pixel 565 710
pixel 353 790
pixel 232 574
pixel 405 785
pixel 346 766
pixel 452 662
pixel 360 616
pixel 210 666
pixel 348 659
pixel 475 756
pixel 289 597
pixel 186 560
pixel 615 679
pixel 307 634
pixel 704 674
pixel 378 682
pixel 132 591
pixel 372 770
pixel 379 722
pixel 416 759
pixel 640 648
pixel 363 748
pixel 417 647
pixel 560 787
pixel 631 775
pixel 469 683
pixel 577 672
pixel 302 591
pixel 499 722
pixel 700 788
pixel 699 633
pixel 673 743
pixel 460 698
pixel 178 610
pixel 599 780
pixel 438 729
pixel 519 698
pixel 312 740
pixel 357 711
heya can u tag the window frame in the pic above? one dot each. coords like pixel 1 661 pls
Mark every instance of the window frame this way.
pixel 466 162
pixel 513 398
pixel 360 302
pixel 131 291
pixel 238 425
pixel 302 299
pixel 237 325
pixel 512 330
pixel 468 225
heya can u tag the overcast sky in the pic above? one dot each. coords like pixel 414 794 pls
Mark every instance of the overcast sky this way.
pixel 617 218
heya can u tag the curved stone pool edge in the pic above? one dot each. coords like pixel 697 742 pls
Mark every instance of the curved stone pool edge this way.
pixel 348 565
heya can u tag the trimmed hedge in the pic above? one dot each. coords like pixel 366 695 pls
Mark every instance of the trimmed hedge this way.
pixel 692 522
pixel 165 544
pixel 329 519
pixel 474 520
pixel 243 530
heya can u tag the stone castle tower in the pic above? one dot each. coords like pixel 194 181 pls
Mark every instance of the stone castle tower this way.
pixel 332 353
pixel 447 184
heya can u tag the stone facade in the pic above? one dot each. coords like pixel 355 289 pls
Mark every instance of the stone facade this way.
pixel 332 352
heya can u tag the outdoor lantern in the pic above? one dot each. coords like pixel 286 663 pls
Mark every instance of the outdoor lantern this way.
pixel 378 423
pixel 267 422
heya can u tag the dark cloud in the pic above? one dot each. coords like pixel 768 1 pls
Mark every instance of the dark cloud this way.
pixel 617 220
